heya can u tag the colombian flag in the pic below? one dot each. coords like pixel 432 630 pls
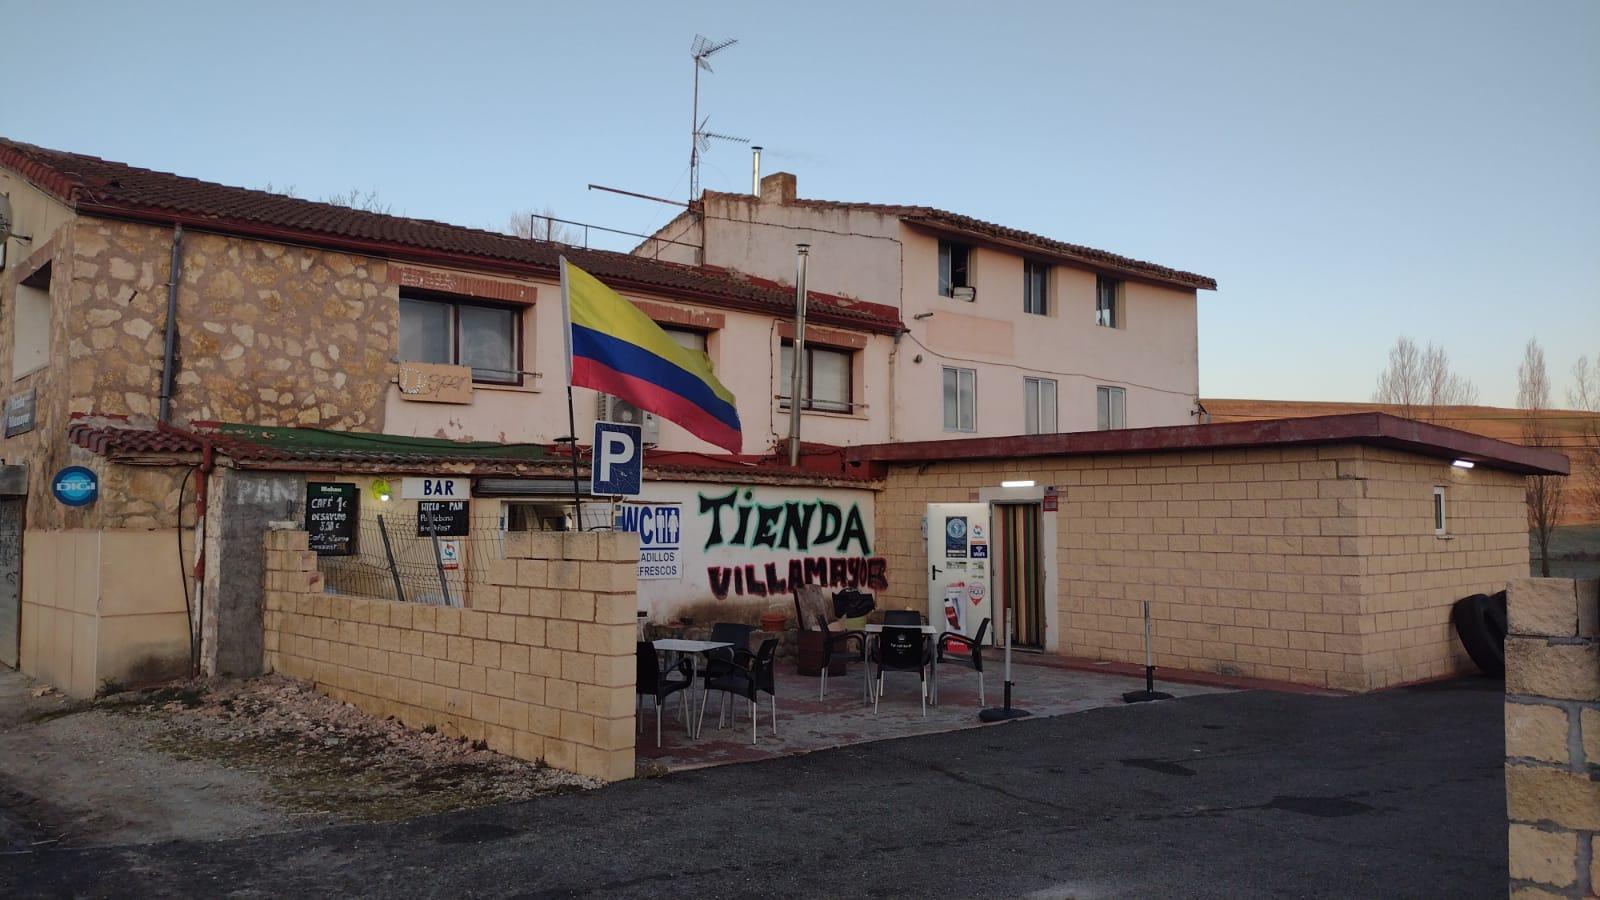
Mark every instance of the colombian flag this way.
pixel 615 348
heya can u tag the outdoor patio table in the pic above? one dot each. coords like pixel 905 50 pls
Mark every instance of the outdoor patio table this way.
pixel 933 667
pixel 695 649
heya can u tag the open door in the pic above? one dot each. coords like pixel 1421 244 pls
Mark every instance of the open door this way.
pixel 1018 571
pixel 959 567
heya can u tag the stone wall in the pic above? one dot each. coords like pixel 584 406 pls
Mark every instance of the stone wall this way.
pixel 271 334
pixel 542 667
pixel 1317 565
pixel 1553 737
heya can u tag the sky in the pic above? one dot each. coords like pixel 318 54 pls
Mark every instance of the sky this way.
pixel 1349 172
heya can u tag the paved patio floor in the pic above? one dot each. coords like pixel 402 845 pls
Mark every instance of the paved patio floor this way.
pixel 806 723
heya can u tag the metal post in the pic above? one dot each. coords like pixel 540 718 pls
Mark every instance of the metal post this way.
pixel 802 252
pixel 572 428
pixel 1149 693
pixel 388 551
pixel 438 560
pixel 169 354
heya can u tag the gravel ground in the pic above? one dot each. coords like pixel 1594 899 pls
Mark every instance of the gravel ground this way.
pixel 228 758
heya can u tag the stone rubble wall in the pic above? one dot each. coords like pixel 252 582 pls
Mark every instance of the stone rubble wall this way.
pixel 542 667
pixel 1553 737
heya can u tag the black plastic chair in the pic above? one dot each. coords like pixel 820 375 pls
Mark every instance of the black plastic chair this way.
pixel 831 641
pixel 717 661
pixel 902 648
pixel 748 676
pixel 653 681
pixel 973 657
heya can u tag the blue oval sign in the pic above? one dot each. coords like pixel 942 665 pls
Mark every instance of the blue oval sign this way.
pixel 75 486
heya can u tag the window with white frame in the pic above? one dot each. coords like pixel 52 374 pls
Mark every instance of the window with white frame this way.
pixel 1441 524
pixel 688 338
pixel 1107 302
pixel 488 339
pixel 1038 406
pixel 825 378
pixel 1035 288
pixel 954 269
pixel 1111 407
pixel 960 399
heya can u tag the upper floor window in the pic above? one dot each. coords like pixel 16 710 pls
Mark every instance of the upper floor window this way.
pixel 954 271
pixel 1107 297
pixel 687 338
pixel 960 399
pixel 1035 281
pixel 1111 407
pixel 486 338
pixel 825 378
pixel 1038 406
pixel 30 324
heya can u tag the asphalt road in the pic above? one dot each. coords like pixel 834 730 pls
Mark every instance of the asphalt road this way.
pixel 1237 795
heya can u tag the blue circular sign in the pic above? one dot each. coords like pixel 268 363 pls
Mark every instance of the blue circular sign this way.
pixel 75 486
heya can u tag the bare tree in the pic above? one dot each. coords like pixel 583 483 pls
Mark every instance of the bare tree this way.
pixel 1585 396
pixel 1420 382
pixel 355 198
pixel 1545 492
pixel 540 225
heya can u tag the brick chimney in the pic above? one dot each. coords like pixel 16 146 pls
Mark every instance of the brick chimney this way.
pixel 778 187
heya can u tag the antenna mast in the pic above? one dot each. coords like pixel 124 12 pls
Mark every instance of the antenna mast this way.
pixel 700 138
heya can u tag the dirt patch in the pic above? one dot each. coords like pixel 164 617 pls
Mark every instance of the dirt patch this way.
pixel 325 757
pixel 211 760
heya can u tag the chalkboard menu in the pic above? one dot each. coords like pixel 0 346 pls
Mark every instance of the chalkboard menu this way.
pixel 449 517
pixel 332 511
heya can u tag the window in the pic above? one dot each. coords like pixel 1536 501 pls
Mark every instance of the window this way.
pixel 687 338
pixel 30 337
pixel 960 399
pixel 1440 523
pixel 1107 291
pixel 1035 277
pixel 1038 406
pixel 1111 407
pixel 824 378
pixel 486 338
pixel 953 267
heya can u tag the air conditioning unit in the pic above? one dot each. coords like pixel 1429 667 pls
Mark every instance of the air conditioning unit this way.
pixel 612 409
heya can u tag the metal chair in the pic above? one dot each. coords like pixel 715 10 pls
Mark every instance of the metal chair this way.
pixel 653 681
pixel 973 656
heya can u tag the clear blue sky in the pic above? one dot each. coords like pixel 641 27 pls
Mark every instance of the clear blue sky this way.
pixel 1348 171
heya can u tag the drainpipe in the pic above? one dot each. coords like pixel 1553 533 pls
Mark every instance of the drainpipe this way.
pixel 798 356
pixel 894 363
pixel 170 351
pixel 201 493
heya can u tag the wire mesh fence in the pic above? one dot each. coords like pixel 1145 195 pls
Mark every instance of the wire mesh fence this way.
pixel 399 557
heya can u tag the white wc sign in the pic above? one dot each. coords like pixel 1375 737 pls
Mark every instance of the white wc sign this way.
pixel 435 489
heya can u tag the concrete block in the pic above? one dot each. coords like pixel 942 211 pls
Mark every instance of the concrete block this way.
pixel 605 702
pixel 447 620
pixel 1561 669
pixel 544 661
pixel 563 575
pixel 545 602
pixel 528 688
pixel 577 727
pixel 559 694
pixel 544 721
pixel 528 746
pixel 577 667
pixel 1554 607
pixel 577 606
pixel 617 671
pixel 500 682
pixel 544 545
pixel 605 640
pixel 616 734
pixel 503 572
pixel 1536 731
pixel 1548 857
pixel 517 544
pixel 616 609
pixel 474 678
pixel 474 623
pixel 561 635
pixel 583 545
pixel 514 601
pixel 485 599
pixel 618 546
pixel 533 573
pixel 514 657
pixel 1589 723
pixel 1536 794
pixel 561 754
pixel 607 765
pixel 531 632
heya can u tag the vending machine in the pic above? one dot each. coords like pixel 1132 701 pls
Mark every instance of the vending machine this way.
pixel 959 568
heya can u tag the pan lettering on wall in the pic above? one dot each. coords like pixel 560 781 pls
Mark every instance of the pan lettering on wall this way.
pixel 449 518
pixel 332 511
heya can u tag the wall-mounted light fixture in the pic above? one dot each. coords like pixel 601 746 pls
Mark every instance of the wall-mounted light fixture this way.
pixel 1463 464
pixel 1016 484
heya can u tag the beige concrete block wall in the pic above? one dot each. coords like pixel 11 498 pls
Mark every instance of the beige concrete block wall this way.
pixel 102 606
pixel 541 667
pixel 1317 565
pixel 1553 737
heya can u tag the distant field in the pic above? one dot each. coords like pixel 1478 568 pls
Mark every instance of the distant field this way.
pixel 1574 552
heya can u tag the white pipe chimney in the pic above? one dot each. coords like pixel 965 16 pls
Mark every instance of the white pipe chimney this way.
pixel 755 172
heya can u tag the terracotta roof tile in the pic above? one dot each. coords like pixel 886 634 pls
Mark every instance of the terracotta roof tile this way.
pixel 97 186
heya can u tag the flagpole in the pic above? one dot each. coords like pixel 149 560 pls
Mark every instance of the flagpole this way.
pixel 572 416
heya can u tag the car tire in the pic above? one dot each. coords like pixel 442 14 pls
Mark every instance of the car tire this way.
pixel 1480 624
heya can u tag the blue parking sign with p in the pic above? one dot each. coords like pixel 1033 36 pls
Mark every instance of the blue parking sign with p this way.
pixel 617 464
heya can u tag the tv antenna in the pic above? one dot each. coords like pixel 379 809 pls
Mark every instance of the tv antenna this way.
pixel 701 50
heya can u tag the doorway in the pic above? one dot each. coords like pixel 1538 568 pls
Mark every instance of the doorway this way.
pixel 1019 571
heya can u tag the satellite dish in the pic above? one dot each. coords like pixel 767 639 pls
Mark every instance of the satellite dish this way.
pixel 5 218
